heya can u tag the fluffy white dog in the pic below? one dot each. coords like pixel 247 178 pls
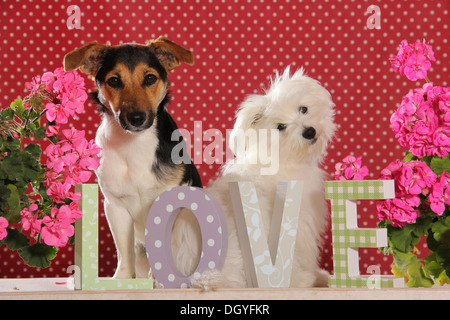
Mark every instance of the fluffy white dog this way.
pixel 302 111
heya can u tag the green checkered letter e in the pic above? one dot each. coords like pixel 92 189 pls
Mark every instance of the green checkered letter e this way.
pixel 347 237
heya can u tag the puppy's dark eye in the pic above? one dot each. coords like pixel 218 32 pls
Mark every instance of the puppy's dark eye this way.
pixel 281 127
pixel 114 82
pixel 149 79
pixel 303 109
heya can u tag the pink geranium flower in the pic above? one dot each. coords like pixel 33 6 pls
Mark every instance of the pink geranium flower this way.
pixel 30 221
pixel 57 227
pixel 413 60
pixel 398 211
pixel 51 131
pixel 416 67
pixel 412 179
pixel 57 112
pixel 3 226
pixel 48 79
pixel 422 120
pixel 60 155
pixel 62 190
pixel 350 169
pixel 440 194
pixel 34 85
pixel 416 178
pixel 441 142
pixel 69 162
pixel 74 100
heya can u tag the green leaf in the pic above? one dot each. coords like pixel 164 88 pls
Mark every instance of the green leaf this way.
pixel 438 241
pixel 15 239
pixel 11 167
pixel 439 165
pixel 17 106
pixel 404 239
pixel 442 278
pixel 436 270
pixel 441 230
pixel 38 255
pixel 12 213
pixel 34 150
pixel 39 133
pixel 406 265
pixel 6 114
pixel 408 156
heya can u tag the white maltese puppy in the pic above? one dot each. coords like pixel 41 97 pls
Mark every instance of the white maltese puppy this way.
pixel 302 112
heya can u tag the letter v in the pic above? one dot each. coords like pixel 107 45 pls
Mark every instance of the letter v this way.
pixel 268 260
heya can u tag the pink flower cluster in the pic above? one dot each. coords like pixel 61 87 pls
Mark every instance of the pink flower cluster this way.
pixel 3 225
pixel 413 60
pixel 422 121
pixel 68 91
pixel 56 228
pixel 440 194
pixel 69 162
pixel 350 169
pixel 412 179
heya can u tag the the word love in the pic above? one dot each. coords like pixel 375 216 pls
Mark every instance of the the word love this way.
pixel 262 252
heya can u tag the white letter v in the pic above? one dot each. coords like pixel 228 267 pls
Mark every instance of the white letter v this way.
pixel 268 260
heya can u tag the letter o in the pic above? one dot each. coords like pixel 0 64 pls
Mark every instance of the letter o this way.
pixel 159 225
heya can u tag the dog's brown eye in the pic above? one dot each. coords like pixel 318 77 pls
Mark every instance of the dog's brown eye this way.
pixel 114 82
pixel 149 79
pixel 303 109
pixel 281 127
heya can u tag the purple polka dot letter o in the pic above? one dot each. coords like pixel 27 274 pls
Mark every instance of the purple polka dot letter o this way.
pixel 160 220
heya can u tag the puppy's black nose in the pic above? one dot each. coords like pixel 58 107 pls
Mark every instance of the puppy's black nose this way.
pixel 136 119
pixel 309 133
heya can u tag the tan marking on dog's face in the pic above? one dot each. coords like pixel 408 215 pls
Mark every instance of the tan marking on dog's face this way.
pixel 126 91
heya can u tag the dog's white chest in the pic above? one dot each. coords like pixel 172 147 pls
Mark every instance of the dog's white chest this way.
pixel 125 173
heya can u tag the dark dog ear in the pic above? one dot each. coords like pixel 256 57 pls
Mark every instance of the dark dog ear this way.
pixel 88 58
pixel 169 53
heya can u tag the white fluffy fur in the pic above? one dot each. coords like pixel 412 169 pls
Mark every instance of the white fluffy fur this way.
pixel 299 159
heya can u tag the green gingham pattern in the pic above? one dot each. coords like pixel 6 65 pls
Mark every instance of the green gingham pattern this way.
pixel 86 248
pixel 346 239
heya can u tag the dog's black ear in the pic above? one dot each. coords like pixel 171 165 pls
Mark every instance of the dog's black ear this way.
pixel 88 58
pixel 169 53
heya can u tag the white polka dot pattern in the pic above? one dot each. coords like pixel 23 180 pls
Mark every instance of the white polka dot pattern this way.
pixel 237 46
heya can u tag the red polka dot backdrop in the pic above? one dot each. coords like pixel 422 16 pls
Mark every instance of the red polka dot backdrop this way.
pixel 238 46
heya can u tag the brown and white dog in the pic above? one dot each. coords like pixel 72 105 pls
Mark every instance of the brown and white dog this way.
pixel 135 136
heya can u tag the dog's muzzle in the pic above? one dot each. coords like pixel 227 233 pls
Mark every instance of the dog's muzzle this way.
pixel 135 121
pixel 310 134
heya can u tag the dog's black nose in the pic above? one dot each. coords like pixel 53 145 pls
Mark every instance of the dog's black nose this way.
pixel 309 133
pixel 136 119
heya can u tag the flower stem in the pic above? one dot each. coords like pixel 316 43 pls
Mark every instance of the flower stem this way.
pixel 427 80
